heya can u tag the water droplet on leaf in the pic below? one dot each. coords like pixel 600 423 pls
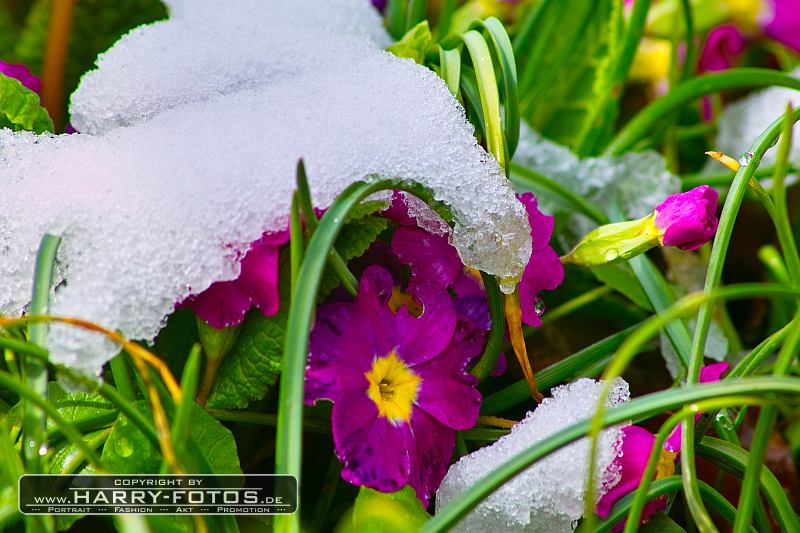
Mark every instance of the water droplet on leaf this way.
pixel 43 449
pixel 611 254
pixel 746 158
pixel 124 447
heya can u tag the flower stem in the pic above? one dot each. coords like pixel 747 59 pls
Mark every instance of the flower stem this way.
pixel 55 59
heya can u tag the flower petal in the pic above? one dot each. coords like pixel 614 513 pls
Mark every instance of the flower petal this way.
pixel 467 282
pixel 341 351
pixel 541 225
pixel 475 308
pixel 223 304
pixel 431 446
pixel 437 397
pixel 430 256
pixel 637 443
pixel 374 452
pixel 374 293
pixel 688 220
pixel 259 278
pixel 544 271
pixel 419 339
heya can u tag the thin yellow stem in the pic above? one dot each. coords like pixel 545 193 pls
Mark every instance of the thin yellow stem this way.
pixel 136 351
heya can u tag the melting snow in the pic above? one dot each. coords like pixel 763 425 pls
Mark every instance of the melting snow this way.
pixel 192 128
pixel 548 496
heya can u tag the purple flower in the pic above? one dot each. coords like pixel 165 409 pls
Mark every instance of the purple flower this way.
pixel 688 220
pixel 224 303
pixel 431 257
pixel 399 384
pixel 21 73
pixel 783 27
pixel 724 43
pixel 637 444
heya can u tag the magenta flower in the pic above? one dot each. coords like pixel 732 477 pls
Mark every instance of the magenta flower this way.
pixel 724 43
pixel 688 220
pixel 431 257
pixel 784 27
pixel 399 384
pixel 637 444
pixel 224 303
pixel 21 73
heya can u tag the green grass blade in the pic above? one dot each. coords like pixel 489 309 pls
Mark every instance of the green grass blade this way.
pixel 782 223
pixel 490 99
pixel 295 241
pixel 34 422
pixel 416 13
pixel 122 377
pixel 29 395
pixel 713 278
pixel 450 65
pixel 657 111
pixel 733 459
pixel 505 53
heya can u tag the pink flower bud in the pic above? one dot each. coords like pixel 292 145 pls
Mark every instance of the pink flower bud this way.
pixel 688 220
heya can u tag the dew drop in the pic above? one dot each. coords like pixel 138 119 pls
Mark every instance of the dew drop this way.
pixel 746 158
pixel 612 254
pixel 538 306
pixel 124 447
pixel 724 420
pixel 43 449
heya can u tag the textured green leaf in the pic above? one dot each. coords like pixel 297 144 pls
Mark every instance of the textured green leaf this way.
pixel 414 44
pixel 96 25
pixel 253 364
pixel 20 109
pixel 128 451
pixel 382 512
pixel 73 407
pixel 661 523
pixel 176 339
pixel 353 241
pixel 567 65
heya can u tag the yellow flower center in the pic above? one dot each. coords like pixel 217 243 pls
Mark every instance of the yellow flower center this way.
pixel 666 464
pixel 392 387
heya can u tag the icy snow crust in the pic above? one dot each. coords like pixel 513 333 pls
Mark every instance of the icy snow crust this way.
pixel 196 125
pixel 550 495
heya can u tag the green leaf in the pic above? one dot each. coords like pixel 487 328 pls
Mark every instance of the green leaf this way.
pixel 175 340
pixel 96 25
pixel 661 523
pixel 73 407
pixel 128 451
pixel 414 44
pixel 20 109
pixel 567 61
pixel 254 362
pixel 624 281
pixel 382 512
pixel 353 241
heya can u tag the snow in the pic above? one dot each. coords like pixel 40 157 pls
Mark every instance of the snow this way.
pixel 548 496
pixel 192 129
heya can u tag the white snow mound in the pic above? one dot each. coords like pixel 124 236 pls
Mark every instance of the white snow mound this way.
pixel 192 129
